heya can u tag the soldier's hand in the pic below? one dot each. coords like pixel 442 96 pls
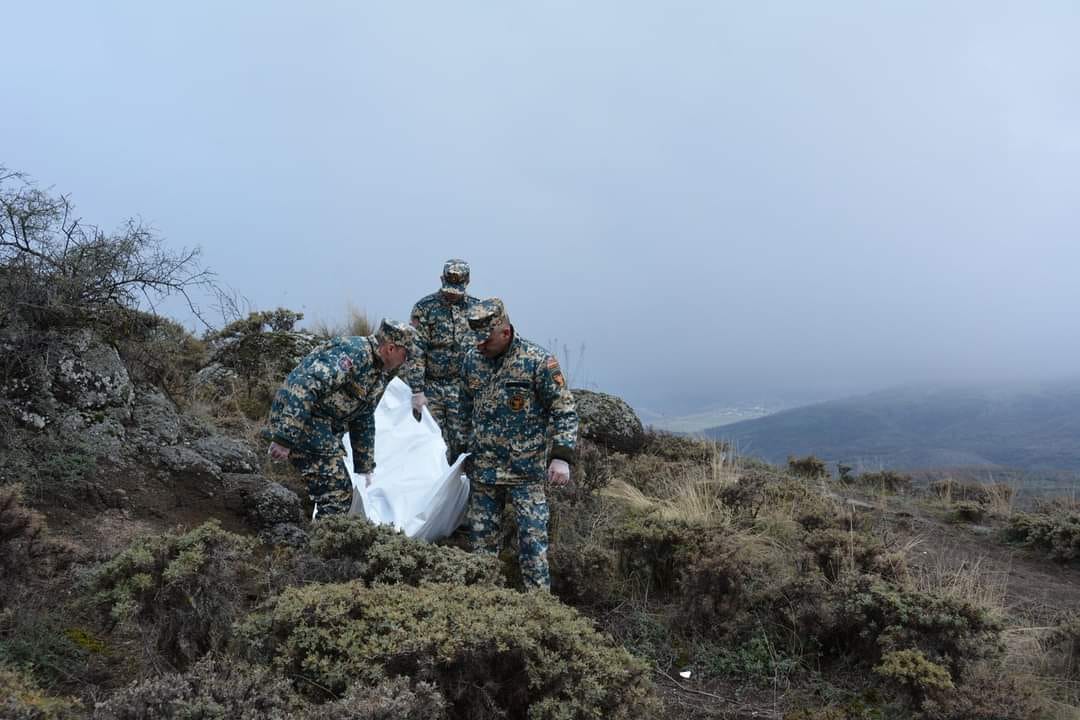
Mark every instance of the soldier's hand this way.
pixel 278 452
pixel 419 401
pixel 558 472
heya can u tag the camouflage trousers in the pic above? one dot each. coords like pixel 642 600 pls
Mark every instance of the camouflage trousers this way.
pixel 328 480
pixel 531 512
pixel 444 404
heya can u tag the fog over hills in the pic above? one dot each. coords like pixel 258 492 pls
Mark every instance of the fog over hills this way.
pixel 1033 427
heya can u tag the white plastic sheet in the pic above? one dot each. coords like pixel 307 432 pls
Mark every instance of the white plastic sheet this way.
pixel 414 488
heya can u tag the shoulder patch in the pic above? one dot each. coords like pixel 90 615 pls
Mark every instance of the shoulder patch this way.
pixel 345 363
pixel 552 363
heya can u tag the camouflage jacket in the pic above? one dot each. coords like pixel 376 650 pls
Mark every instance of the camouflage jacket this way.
pixel 333 390
pixel 442 338
pixel 510 403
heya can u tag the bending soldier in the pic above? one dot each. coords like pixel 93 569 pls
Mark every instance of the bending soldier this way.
pixel 334 390
pixel 442 337
pixel 514 391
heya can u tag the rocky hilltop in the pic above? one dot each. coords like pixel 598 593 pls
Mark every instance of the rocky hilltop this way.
pixel 155 564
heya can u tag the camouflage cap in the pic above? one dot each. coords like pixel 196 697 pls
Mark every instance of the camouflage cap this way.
pixel 486 314
pixel 455 276
pixel 396 332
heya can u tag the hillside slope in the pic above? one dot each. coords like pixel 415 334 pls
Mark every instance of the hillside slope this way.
pixel 1030 427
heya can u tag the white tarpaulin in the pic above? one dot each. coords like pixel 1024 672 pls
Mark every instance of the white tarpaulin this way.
pixel 414 488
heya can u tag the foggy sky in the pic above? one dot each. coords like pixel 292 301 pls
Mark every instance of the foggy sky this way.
pixel 705 202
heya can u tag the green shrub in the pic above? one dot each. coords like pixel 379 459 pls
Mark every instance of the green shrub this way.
pixel 808 467
pixel 225 688
pixel 583 575
pixel 967 511
pixel 872 618
pixel 653 551
pixel 912 672
pixel 1058 535
pixel 492 652
pixel 762 491
pixel 890 481
pixel 838 552
pixel 182 592
pixel 727 574
pixel 756 660
pixel 22 699
pixel 680 448
pixel 343 548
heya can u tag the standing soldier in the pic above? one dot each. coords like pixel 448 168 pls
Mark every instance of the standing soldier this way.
pixel 333 390
pixel 514 393
pixel 442 337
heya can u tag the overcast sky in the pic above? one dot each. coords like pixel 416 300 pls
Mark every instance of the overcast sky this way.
pixel 717 201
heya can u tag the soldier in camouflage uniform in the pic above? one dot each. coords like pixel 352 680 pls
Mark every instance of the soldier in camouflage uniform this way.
pixel 333 390
pixel 442 337
pixel 514 392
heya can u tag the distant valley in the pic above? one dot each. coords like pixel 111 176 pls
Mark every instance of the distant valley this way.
pixel 705 420
pixel 1033 427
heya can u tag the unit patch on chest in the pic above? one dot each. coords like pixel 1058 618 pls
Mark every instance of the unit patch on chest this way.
pixel 516 403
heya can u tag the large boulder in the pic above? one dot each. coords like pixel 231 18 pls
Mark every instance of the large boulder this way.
pixel 264 502
pixel 608 420
pixel 88 373
pixel 155 417
pixel 230 454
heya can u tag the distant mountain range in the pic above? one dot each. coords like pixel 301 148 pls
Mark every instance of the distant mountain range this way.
pixel 1028 427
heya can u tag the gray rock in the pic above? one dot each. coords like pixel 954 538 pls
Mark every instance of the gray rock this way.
pixel 184 461
pixel 289 534
pixel 155 415
pixel 273 504
pixel 608 420
pixel 263 502
pixel 215 375
pixel 87 373
pixel 231 455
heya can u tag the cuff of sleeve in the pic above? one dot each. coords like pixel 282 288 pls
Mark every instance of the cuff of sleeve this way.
pixel 283 442
pixel 558 452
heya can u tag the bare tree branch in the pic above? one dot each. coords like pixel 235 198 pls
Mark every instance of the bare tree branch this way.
pixel 52 263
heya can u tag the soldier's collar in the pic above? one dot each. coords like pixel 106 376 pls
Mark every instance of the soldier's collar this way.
pixel 376 358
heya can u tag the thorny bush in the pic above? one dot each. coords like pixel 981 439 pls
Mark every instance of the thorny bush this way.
pixel 181 592
pixel 492 652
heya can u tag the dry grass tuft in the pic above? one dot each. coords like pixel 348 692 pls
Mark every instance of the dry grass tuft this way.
pixel 356 322
pixel 942 573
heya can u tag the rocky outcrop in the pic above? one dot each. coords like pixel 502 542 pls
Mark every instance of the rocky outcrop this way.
pixel 263 501
pixel 86 373
pixel 229 454
pixel 608 420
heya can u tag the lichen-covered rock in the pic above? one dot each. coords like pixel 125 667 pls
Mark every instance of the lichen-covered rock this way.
pixel 273 504
pixel 88 373
pixel 215 375
pixel 263 502
pixel 289 534
pixel 608 420
pixel 184 461
pixel 155 416
pixel 231 455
